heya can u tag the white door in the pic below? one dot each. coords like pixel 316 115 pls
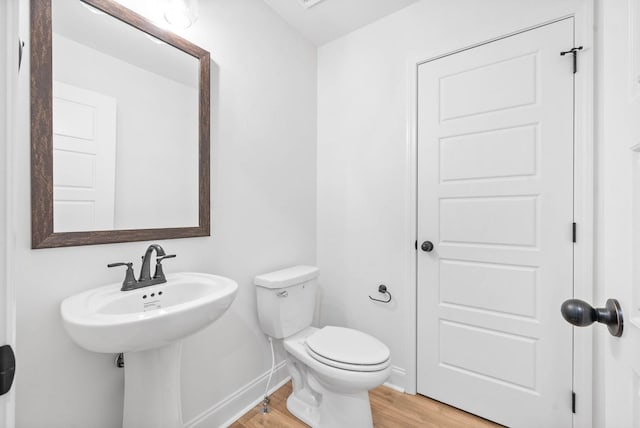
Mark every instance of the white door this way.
pixel 84 159
pixel 618 262
pixel 495 197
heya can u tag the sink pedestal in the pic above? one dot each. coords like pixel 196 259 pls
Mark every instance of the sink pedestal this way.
pixel 152 388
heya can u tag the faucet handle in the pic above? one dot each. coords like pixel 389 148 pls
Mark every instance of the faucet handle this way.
pixel 129 278
pixel 128 264
pixel 159 273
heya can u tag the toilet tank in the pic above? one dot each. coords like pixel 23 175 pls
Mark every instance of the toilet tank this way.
pixel 286 300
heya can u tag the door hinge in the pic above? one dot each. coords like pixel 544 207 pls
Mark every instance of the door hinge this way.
pixel 416 244
pixel 573 402
pixel 575 232
pixel 574 52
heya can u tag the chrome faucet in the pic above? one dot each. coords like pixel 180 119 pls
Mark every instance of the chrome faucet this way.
pixel 145 279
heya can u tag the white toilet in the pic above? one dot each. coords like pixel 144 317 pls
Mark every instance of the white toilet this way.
pixel 332 368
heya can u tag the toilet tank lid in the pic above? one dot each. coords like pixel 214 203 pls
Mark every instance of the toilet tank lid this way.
pixel 287 277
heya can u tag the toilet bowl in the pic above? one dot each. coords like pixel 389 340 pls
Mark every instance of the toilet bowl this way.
pixel 332 368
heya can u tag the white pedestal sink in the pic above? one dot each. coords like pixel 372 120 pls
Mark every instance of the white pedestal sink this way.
pixel 148 325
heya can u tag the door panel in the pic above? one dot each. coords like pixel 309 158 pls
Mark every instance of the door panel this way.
pixel 489 87
pixel 495 195
pixel 516 286
pixel 468 157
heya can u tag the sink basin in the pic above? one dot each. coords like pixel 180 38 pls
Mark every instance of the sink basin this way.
pixel 148 325
pixel 106 319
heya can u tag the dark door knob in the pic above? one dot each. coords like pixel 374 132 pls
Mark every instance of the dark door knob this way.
pixel 427 246
pixel 582 314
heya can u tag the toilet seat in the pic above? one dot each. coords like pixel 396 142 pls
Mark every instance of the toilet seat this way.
pixel 347 349
pixel 352 378
pixel 349 367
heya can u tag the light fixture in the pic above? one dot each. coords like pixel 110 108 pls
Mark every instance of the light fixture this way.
pixel 307 4
pixel 181 13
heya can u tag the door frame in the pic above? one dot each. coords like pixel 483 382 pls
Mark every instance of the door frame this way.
pixel 584 205
pixel 9 25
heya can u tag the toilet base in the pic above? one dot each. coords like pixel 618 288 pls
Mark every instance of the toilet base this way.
pixel 335 410
pixel 321 407
pixel 346 410
pixel 303 411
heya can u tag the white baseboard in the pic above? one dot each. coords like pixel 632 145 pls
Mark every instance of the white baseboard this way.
pixel 240 402
pixel 246 398
pixel 397 379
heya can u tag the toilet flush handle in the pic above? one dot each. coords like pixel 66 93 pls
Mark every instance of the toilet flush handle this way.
pixel 283 293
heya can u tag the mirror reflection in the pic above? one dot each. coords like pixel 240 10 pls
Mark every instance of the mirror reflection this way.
pixel 125 125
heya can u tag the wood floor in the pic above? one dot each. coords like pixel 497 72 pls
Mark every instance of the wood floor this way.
pixel 391 409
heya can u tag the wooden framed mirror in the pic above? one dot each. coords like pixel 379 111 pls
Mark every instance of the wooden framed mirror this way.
pixel 120 127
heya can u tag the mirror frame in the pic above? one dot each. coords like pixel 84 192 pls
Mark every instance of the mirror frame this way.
pixel 42 234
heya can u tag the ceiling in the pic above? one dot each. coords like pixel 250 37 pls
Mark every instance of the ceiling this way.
pixel 330 19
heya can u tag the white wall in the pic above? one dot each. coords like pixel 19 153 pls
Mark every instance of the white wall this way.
pixel 263 218
pixel 156 135
pixel 363 170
